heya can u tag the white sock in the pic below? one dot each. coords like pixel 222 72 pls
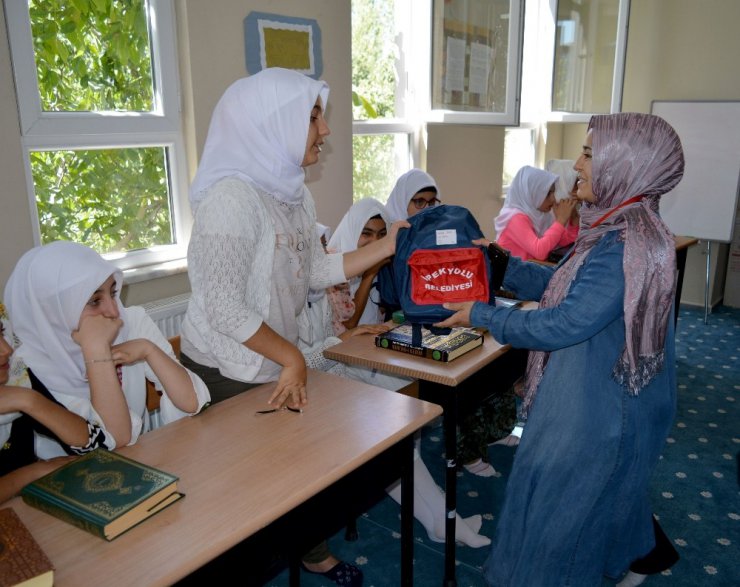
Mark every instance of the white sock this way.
pixel 429 509
pixel 632 580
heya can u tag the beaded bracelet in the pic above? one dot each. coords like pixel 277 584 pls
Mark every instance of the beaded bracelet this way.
pixel 91 361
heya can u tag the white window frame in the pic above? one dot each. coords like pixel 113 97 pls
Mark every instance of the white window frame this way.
pixel 510 117
pixel 547 60
pixel 409 124
pixel 96 130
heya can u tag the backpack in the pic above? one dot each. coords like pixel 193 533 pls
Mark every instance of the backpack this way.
pixel 436 262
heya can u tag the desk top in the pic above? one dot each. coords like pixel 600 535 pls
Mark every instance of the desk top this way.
pixel 684 242
pixel 361 350
pixel 240 472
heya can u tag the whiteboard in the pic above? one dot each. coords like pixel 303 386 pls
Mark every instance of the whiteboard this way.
pixel 703 204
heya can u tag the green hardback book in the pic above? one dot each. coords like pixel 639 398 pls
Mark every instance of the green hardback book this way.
pixel 444 347
pixel 103 492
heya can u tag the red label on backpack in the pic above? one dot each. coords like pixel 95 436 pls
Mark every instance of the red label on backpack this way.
pixel 448 275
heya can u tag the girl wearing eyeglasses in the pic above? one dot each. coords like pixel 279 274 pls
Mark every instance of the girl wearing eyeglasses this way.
pixel 414 191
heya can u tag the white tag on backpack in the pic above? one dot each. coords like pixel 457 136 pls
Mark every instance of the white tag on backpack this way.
pixel 448 236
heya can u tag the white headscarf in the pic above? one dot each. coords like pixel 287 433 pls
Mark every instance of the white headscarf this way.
pixel 527 191
pixel 563 168
pixel 258 133
pixel 45 295
pixel 407 186
pixel 345 237
pixel 345 240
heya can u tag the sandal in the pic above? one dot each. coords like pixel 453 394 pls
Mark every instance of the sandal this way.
pixel 342 573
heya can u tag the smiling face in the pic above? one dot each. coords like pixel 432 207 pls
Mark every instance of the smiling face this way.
pixel 373 230
pixel 103 302
pixel 584 185
pixel 317 130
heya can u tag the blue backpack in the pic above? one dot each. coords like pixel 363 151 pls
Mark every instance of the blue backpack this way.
pixel 436 262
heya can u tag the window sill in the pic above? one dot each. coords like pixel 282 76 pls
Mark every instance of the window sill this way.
pixel 155 271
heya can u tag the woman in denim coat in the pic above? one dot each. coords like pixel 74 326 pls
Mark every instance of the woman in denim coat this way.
pixel 600 382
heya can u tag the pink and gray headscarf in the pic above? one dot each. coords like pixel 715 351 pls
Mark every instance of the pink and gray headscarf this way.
pixel 633 154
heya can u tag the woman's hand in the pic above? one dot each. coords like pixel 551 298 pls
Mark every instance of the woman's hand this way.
pixel 96 331
pixel 132 351
pixel 461 317
pixel 390 238
pixel 291 385
pixel 364 329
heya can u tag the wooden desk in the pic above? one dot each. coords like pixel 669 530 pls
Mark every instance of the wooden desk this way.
pixel 456 386
pixel 240 472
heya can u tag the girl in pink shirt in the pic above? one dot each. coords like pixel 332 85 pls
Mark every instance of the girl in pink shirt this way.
pixel 526 226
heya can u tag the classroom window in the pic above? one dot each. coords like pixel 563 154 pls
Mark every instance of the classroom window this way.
pixel 476 61
pixel 589 54
pixel 99 110
pixel 382 145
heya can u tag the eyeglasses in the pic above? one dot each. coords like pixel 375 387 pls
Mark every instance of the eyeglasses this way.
pixel 283 409
pixel 421 203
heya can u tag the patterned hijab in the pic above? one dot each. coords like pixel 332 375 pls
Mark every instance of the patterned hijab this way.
pixel 633 155
pixel 407 186
pixel 527 191
pixel 258 133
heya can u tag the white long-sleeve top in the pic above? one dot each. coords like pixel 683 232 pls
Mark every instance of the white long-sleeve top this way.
pixel 251 259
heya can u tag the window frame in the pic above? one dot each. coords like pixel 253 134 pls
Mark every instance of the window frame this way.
pixel 162 127
pixel 547 62
pixel 510 117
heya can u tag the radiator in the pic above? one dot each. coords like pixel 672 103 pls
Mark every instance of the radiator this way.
pixel 168 313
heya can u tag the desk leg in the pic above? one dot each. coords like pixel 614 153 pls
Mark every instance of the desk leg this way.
pixel 450 428
pixel 407 513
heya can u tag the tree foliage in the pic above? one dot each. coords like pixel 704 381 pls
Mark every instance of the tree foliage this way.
pixel 374 86
pixel 94 56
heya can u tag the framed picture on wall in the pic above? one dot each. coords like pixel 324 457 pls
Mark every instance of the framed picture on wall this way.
pixel 272 40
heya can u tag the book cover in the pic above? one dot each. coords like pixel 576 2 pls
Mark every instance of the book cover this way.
pixel 22 561
pixel 438 347
pixel 103 493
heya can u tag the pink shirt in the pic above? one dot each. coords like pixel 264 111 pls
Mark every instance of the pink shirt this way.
pixel 521 240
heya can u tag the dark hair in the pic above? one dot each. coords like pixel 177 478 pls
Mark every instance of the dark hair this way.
pixel 429 188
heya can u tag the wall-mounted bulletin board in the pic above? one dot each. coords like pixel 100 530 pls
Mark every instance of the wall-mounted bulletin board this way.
pixel 704 202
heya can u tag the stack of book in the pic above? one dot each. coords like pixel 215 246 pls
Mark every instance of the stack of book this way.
pixel 438 347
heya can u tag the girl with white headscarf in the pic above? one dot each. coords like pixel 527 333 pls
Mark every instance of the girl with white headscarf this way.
pixel 414 191
pixel 525 226
pixel 92 354
pixel 365 222
pixel 254 251
pixel 600 384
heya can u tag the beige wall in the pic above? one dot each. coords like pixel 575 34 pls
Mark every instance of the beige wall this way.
pixel 678 49
pixel 212 50
pixel 467 163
